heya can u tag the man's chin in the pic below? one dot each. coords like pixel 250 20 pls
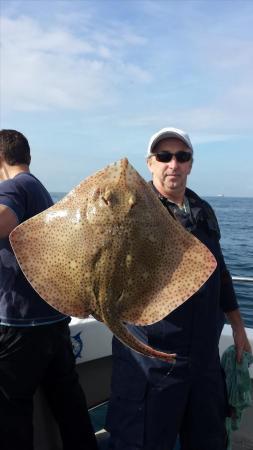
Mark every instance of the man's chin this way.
pixel 172 185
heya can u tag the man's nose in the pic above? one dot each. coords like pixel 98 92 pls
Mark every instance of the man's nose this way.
pixel 173 162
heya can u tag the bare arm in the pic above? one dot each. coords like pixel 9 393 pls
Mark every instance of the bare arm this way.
pixel 8 221
pixel 240 338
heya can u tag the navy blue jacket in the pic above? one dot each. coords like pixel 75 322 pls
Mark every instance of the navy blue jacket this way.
pixel 193 330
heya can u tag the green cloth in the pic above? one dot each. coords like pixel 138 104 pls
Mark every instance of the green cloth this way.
pixel 239 387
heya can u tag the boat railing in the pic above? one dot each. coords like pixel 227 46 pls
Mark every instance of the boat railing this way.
pixel 242 279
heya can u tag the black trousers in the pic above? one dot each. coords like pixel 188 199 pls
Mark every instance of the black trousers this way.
pixel 41 356
pixel 188 403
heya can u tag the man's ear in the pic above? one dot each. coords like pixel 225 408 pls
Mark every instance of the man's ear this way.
pixel 149 164
pixel 190 168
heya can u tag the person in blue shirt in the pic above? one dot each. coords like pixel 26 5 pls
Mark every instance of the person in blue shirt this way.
pixel 35 344
pixel 152 402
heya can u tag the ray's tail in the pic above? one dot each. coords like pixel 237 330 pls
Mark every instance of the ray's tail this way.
pixel 127 338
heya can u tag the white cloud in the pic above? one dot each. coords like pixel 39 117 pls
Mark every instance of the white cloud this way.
pixel 137 73
pixel 218 122
pixel 47 68
pixel 27 35
pixel 142 73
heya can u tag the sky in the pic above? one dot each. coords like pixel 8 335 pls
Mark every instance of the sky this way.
pixel 89 81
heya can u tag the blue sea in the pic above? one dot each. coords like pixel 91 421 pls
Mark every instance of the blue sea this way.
pixel 235 216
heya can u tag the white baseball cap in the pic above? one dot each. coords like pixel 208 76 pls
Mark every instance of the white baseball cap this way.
pixel 165 133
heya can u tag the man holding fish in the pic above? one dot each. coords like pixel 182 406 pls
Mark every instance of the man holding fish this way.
pixel 153 401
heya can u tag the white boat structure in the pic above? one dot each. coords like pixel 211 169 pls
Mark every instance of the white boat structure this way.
pixel 92 346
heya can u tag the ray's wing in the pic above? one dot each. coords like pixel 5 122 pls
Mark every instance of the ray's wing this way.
pixel 54 250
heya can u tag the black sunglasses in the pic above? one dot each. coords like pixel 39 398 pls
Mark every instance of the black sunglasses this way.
pixel 180 156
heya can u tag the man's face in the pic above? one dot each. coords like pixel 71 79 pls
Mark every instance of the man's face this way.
pixel 170 177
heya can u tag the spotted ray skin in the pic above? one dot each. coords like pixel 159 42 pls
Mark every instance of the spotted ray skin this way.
pixel 109 248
